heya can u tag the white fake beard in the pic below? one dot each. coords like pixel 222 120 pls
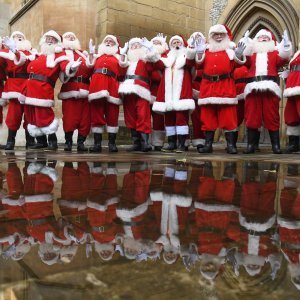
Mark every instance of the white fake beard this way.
pixel 216 47
pixel 48 49
pixel 71 45
pixel 263 47
pixel 136 54
pixel 177 52
pixel 160 49
pixel 23 45
pixel 108 50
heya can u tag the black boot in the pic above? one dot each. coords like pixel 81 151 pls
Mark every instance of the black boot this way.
pixel 251 139
pixel 112 147
pixel 293 144
pixel 69 141
pixel 172 139
pixel 229 170
pixel 275 141
pixel 80 143
pixel 136 141
pixel 181 143
pixel 52 142
pixel 10 143
pixel 209 139
pixel 97 143
pixel 256 142
pixel 41 142
pixel 29 140
pixel 146 147
pixel 231 142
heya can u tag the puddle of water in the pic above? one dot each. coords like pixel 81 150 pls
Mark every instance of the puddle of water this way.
pixel 156 229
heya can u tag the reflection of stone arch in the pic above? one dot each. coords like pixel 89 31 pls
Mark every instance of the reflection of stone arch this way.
pixel 275 15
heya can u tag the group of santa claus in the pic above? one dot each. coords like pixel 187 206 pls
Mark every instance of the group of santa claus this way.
pixel 160 85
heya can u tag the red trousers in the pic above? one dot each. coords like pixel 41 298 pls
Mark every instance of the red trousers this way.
pixel 240 110
pixel 137 113
pixel 76 115
pixel 197 124
pixel 215 116
pixel 262 108
pixel 158 121
pixel 177 122
pixel 39 116
pixel 104 113
pixel 15 115
pixel 292 111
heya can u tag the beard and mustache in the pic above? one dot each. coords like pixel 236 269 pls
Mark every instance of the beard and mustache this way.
pixel 263 47
pixel 47 49
pixel 219 46
pixel 23 45
pixel 108 50
pixel 72 45
pixel 177 51
pixel 136 54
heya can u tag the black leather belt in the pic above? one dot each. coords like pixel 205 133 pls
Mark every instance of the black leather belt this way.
pixel 41 78
pixel 262 78
pixel 154 83
pixel 198 78
pixel 138 77
pixel 290 246
pixel 17 75
pixel 36 222
pixel 295 68
pixel 216 78
pixel 105 71
pixel 80 79
pixel 241 80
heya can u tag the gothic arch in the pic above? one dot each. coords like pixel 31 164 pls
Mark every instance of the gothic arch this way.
pixel 275 15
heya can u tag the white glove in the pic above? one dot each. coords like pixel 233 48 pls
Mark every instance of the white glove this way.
pixel 161 35
pixel 10 44
pixel 124 50
pixel 147 44
pixel 200 46
pixel 246 37
pixel 240 49
pixel 91 47
pixel 285 39
pixel 284 74
pixel 191 42
pixel 75 65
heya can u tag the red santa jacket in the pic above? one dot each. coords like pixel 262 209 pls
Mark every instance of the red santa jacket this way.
pixel 76 87
pixel 40 92
pixel 3 102
pixel 175 90
pixel 216 64
pixel 15 66
pixel 106 86
pixel 240 76
pixel 292 87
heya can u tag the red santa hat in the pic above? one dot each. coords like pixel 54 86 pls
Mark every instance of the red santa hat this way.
pixel 114 38
pixel 218 28
pixel 19 33
pixel 69 33
pixel 265 32
pixel 180 38
pixel 134 40
pixel 53 34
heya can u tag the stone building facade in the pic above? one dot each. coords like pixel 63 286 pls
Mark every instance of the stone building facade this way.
pixel 130 18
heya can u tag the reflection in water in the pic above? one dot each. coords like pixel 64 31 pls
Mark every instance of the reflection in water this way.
pixel 209 216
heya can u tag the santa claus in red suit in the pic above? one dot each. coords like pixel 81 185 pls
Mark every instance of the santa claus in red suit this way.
pixel 217 89
pixel 174 96
pixel 2 79
pixel 158 120
pixel 14 59
pixel 292 108
pixel 103 94
pixel 135 90
pixel 74 93
pixel 44 72
pixel 262 92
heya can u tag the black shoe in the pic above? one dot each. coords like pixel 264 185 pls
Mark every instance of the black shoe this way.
pixel 231 144
pixel 251 140
pixel 97 143
pixel 136 141
pixel 69 141
pixel 80 144
pixel 112 147
pixel 293 144
pixel 52 142
pixel 275 141
pixel 41 143
pixel 172 144
pixel 30 142
pixel 209 139
pixel 146 147
pixel 10 144
pixel 157 148
pixel 181 143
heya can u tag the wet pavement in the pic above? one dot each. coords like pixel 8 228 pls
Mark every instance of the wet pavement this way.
pixel 154 226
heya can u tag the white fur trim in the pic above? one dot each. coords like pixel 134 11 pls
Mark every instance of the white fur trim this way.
pixel 111 171
pixel 22 99
pixel 111 129
pixel 21 60
pixel 259 227
pixel 218 28
pixel 39 102
pixel 51 62
pixel 52 128
pixel 104 94
pixel 52 33
pixel 73 94
pixel 190 53
pixel 265 85
pixel 217 100
pixel 34 168
pixel 196 142
pixel 230 54
pixel 263 32
pixel 98 129
pixel 156 196
pixel 159 106
pixel 7 55
pixel 11 95
pixel 73 204
pixel 180 175
pixel 50 172
pixel 100 207
pixel 288 223
pixel 184 104
pixel 158 137
pixel 261 64
pixel 292 91
pixel 128 214
pixel 253 244
pixel 293 130
pixel 96 170
pixel 182 130
pixel 129 87
pixel 14 202
pixel 34 131
pixel 169 172
pixel 215 207
pixel 170 130
pixel 241 97
pixel 38 198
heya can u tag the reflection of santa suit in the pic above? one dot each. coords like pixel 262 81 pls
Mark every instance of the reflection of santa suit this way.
pixel 15 66
pixel 40 92
pixel 103 94
pixel 74 93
